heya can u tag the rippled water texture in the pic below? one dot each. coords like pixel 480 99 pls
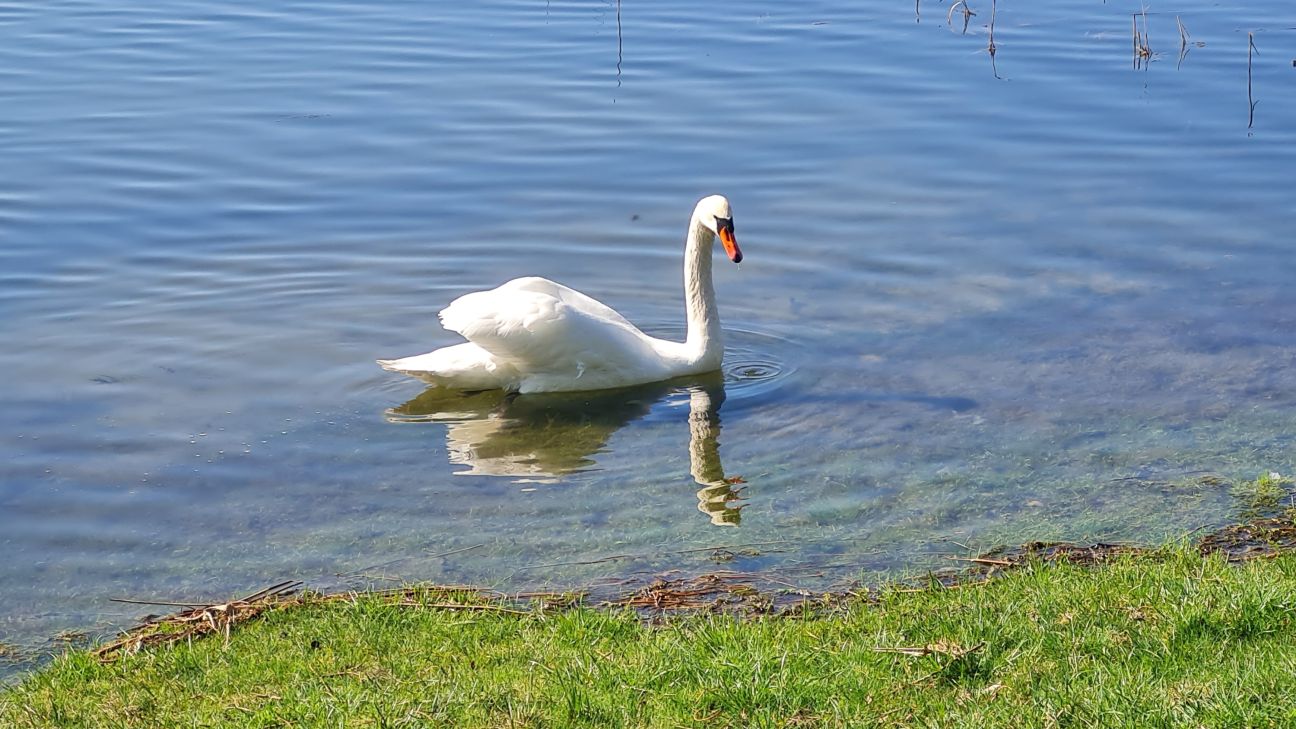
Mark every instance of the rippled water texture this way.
pixel 1051 304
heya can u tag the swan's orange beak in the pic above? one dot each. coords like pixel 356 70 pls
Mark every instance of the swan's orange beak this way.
pixel 730 244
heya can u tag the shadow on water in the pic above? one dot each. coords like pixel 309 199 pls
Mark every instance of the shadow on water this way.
pixel 542 437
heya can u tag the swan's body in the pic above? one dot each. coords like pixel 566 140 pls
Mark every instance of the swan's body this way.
pixel 535 335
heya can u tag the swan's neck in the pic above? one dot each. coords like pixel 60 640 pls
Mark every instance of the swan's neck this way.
pixel 704 346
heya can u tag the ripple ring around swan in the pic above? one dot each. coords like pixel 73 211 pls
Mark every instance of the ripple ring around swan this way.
pixel 754 362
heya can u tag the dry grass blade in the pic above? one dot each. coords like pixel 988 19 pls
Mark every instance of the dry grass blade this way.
pixel 941 648
pixel 548 595
pixel 197 619
pixel 284 587
pixel 916 651
pixel 461 606
pixel 986 560
pixel 135 601
pixel 955 656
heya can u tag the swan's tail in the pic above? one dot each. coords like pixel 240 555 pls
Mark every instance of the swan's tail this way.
pixel 463 366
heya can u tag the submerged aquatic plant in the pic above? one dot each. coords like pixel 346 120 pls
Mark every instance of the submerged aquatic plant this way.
pixel 1263 494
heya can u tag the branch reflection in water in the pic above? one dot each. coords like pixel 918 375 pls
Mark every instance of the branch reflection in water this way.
pixel 542 437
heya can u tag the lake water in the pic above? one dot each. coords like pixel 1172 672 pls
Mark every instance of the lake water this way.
pixel 1048 299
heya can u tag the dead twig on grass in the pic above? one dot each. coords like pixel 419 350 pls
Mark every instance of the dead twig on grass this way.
pixel 1259 538
pixel 196 620
pixel 199 619
pixel 714 591
pixel 953 659
pixel 461 606
pixel 133 601
pixel 940 648
pixel 986 560
pixel 953 651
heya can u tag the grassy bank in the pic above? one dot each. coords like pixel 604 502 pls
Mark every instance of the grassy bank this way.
pixel 1166 638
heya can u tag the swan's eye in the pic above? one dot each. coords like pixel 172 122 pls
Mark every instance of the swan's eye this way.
pixel 724 224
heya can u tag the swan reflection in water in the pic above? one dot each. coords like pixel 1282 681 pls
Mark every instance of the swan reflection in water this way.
pixel 541 437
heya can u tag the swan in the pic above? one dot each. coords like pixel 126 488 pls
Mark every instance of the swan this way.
pixel 534 335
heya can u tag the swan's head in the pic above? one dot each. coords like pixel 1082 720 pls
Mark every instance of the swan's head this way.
pixel 714 213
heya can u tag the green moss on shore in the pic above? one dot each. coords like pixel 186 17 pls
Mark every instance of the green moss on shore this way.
pixel 1166 638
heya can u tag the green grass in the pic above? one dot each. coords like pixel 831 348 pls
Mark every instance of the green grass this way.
pixel 1166 639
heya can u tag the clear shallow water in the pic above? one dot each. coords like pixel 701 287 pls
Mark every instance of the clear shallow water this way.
pixel 972 308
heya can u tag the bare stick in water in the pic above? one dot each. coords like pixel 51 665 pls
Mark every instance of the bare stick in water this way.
pixel 1142 43
pixel 1251 104
pixel 990 47
pixel 967 14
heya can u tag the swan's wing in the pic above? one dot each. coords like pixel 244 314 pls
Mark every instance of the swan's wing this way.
pixel 569 296
pixel 540 326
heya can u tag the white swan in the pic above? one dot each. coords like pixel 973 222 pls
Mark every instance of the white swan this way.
pixel 534 335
